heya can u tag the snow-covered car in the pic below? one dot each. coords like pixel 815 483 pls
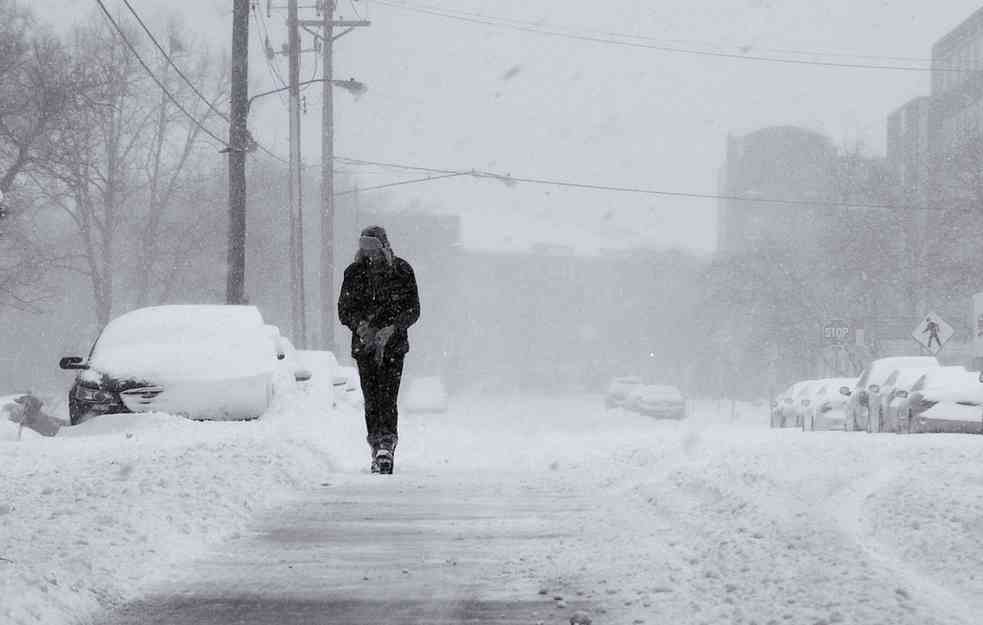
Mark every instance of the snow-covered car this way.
pixel 424 395
pixel 619 389
pixel 788 413
pixel 778 407
pixel 827 407
pixel 892 398
pixel 348 386
pixel 203 362
pixel 662 402
pixel 948 399
pixel 870 381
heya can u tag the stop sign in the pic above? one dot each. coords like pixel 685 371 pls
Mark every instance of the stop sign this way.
pixel 837 332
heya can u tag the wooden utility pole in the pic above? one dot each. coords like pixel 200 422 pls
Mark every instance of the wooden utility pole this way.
pixel 298 299
pixel 328 267
pixel 238 143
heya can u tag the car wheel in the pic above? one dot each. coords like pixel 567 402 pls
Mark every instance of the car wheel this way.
pixel 74 411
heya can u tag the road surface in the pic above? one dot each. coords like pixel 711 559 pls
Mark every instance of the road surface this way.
pixel 525 511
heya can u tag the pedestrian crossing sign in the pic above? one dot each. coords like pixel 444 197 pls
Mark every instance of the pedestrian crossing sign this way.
pixel 932 333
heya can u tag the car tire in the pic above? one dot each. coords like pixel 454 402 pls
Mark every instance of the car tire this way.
pixel 74 411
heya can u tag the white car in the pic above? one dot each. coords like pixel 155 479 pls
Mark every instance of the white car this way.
pixel 868 386
pixel 203 362
pixel 423 395
pixel 663 402
pixel 788 412
pixel 826 409
pixel 948 399
pixel 619 389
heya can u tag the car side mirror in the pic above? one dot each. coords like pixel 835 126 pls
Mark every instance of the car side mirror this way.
pixel 70 363
pixel 281 356
pixel 845 391
pixel 874 388
pixel 901 394
pixel 302 375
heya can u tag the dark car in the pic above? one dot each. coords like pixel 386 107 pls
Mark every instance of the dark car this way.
pixel 203 362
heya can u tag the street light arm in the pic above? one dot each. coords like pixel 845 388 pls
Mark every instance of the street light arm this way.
pixel 352 85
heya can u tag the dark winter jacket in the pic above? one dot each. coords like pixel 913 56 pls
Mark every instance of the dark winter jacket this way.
pixel 387 298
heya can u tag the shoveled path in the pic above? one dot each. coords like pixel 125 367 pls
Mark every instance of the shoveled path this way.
pixel 411 548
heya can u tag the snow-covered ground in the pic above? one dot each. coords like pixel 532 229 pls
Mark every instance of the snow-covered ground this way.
pixel 714 520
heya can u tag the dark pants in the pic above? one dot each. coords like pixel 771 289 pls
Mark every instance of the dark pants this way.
pixel 380 388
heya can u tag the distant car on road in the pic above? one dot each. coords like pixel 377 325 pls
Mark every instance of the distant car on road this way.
pixel 662 402
pixel 869 383
pixel 619 389
pixel 203 362
pixel 425 395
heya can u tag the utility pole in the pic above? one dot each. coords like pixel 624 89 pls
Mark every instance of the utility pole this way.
pixel 238 142
pixel 298 298
pixel 327 181
pixel 327 24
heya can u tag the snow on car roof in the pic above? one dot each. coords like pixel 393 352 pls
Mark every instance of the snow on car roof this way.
pixel 881 369
pixel 952 384
pixel 181 342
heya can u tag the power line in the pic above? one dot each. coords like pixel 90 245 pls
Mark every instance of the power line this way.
pixel 174 65
pixel 150 73
pixel 815 53
pixel 510 179
pixel 640 42
pixel 399 184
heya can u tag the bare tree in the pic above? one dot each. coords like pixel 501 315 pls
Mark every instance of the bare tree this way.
pixel 128 159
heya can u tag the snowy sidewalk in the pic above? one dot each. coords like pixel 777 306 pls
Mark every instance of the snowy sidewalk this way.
pixel 371 549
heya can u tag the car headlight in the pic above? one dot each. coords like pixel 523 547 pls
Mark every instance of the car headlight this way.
pixel 94 395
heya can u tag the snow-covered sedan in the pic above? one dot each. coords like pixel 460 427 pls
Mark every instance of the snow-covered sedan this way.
pixel 619 389
pixel 868 386
pixel 662 402
pixel 203 362
pixel 948 399
pixel 826 409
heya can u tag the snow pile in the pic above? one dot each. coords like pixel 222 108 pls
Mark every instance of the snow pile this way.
pixel 89 515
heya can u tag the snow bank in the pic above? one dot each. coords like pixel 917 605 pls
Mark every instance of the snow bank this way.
pixel 89 515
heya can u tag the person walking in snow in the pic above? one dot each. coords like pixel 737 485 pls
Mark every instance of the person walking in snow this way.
pixel 379 301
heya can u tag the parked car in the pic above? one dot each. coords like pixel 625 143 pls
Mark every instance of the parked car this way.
pixel 788 412
pixel 870 381
pixel 619 389
pixel 827 407
pixel 948 399
pixel 425 395
pixel 203 362
pixel 891 396
pixel 778 406
pixel 662 402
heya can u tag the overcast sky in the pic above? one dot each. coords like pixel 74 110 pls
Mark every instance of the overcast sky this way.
pixel 583 111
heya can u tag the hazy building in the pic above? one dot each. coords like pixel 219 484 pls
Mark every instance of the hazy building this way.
pixel 908 145
pixel 775 163
pixel 957 83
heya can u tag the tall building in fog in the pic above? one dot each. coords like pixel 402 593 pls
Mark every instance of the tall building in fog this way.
pixel 774 163
pixel 957 83
pixel 909 139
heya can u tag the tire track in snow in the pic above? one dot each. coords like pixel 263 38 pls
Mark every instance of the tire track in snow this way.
pixel 849 515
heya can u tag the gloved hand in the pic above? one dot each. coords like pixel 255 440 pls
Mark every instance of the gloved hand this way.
pixel 382 338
